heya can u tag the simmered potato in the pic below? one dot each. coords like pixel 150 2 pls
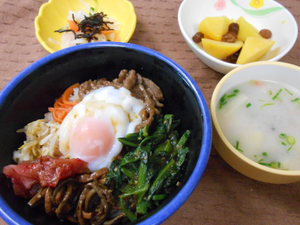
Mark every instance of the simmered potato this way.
pixel 222 37
pixel 254 49
pixel 220 49
pixel 246 30
pixel 214 27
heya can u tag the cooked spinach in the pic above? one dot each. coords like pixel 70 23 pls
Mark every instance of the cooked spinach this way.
pixel 151 167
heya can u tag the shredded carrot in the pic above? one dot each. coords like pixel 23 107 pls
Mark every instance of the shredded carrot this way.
pixel 63 105
pixel 59 113
pixel 73 25
pixel 68 92
pixel 106 32
pixel 60 103
pixel 117 36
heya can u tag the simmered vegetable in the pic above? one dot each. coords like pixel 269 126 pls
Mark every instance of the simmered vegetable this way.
pixel 151 168
pixel 233 41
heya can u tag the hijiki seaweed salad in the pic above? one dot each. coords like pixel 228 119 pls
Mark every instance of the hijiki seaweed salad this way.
pixel 83 28
pixel 103 154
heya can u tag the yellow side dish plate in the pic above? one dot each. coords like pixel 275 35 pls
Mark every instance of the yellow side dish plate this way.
pixel 53 15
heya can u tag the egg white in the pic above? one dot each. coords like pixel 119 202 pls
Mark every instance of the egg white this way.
pixel 109 103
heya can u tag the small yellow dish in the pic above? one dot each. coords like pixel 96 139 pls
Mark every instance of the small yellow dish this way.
pixel 53 15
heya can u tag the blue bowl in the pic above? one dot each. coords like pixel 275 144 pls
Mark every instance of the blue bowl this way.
pixel 28 96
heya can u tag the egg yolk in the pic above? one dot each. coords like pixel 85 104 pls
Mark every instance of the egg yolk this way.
pixel 92 138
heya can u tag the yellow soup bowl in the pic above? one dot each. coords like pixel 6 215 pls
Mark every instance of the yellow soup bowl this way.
pixel 53 15
pixel 272 71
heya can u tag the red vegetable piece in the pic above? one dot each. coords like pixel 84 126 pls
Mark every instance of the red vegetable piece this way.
pixel 45 172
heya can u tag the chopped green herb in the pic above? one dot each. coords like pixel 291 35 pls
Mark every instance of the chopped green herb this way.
pixel 282 135
pixel 237 146
pixel 224 99
pixel 275 165
pixel 288 91
pixel 159 197
pixel 267 104
pixel 288 140
pixel 277 94
pixel 265 154
pixel 291 140
pixel 296 100
pixel 270 92
pixel 248 105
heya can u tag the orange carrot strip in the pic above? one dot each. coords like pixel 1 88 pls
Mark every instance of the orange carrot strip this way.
pixel 58 103
pixel 106 32
pixel 117 37
pixel 68 104
pixel 51 109
pixel 56 115
pixel 63 106
pixel 64 99
pixel 68 92
pixel 115 32
pixel 73 25
pixel 59 113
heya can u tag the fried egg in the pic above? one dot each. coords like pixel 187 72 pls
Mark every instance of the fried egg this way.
pixel 91 129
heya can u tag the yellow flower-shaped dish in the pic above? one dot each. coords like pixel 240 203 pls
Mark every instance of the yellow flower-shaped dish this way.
pixel 53 15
